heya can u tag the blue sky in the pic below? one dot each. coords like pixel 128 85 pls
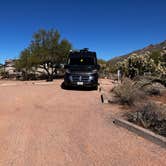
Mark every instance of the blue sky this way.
pixel 111 28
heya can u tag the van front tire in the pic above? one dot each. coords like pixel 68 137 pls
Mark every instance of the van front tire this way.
pixel 95 88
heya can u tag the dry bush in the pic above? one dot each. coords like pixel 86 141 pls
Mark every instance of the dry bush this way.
pixel 152 91
pixel 152 85
pixel 150 116
pixel 128 92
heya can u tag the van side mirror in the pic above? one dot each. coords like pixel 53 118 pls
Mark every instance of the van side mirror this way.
pixel 98 67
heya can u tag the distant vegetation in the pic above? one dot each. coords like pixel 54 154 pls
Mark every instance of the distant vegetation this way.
pixel 104 68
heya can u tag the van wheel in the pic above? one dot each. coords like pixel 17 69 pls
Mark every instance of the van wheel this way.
pixel 63 86
pixel 95 88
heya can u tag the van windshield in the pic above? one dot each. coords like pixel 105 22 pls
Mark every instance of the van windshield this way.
pixel 81 61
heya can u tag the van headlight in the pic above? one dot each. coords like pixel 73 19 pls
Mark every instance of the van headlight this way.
pixel 91 77
pixel 68 71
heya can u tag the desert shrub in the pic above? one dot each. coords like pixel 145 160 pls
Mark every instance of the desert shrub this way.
pixel 151 85
pixel 155 88
pixel 128 92
pixel 150 116
pixel 152 90
pixel 164 82
pixel 160 80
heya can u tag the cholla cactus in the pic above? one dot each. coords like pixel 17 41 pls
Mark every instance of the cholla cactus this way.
pixel 161 69
pixel 137 65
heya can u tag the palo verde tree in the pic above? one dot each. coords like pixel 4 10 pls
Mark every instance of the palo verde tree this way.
pixel 46 51
pixel 24 63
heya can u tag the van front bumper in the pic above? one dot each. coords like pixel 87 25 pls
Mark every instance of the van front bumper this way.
pixel 85 80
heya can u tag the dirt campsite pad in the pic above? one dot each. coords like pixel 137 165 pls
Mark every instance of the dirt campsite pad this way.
pixel 44 125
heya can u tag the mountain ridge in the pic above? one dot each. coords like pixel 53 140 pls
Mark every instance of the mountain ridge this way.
pixel 159 47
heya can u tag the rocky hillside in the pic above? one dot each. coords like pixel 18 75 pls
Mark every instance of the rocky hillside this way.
pixel 161 47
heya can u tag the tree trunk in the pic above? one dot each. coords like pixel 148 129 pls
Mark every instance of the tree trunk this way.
pixel 50 75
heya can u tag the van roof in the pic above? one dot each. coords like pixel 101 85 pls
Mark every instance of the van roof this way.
pixel 83 54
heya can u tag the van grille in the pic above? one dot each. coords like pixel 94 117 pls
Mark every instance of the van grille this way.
pixel 77 78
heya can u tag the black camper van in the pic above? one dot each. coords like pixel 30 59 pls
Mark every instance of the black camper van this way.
pixel 82 69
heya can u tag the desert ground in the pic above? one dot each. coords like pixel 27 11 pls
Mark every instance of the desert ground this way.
pixel 44 125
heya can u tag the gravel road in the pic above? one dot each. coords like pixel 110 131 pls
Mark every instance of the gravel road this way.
pixel 44 125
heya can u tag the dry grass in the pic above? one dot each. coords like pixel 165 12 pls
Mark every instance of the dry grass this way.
pixel 128 92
